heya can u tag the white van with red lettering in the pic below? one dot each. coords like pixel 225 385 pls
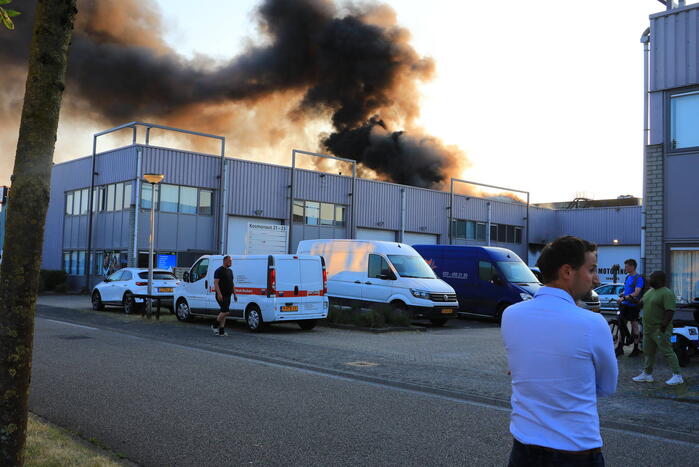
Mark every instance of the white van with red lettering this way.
pixel 270 289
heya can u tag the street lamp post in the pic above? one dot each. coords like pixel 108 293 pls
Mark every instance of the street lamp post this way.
pixel 153 179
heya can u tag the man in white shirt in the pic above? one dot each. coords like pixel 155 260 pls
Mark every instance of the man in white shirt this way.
pixel 561 358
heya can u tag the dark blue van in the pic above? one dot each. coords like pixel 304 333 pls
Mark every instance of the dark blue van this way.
pixel 486 279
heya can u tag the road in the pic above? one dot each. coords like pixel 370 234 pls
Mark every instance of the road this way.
pixel 172 394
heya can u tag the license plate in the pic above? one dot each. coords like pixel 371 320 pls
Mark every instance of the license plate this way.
pixel 447 310
pixel 165 289
pixel 290 308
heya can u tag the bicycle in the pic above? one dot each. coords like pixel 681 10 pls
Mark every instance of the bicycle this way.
pixel 623 332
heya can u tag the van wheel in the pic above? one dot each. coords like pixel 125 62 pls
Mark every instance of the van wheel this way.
pixel 97 304
pixel 438 322
pixel 681 348
pixel 500 310
pixel 182 310
pixel 307 324
pixel 253 318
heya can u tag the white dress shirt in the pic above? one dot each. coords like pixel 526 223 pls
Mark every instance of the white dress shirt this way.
pixel 561 357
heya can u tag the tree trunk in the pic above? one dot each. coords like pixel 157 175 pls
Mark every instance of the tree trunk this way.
pixel 28 202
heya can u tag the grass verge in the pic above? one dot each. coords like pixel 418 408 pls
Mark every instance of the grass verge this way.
pixel 49 446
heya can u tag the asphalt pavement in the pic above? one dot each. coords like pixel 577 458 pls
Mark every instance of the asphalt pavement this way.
pixel 172 394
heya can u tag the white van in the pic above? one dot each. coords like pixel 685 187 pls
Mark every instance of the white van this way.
pixel 384 272
pixel 270 289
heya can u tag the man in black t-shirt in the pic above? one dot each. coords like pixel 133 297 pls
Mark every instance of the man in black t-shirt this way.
pixel 224 286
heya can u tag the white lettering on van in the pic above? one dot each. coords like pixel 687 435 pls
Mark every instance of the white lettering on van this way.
pixel 455 275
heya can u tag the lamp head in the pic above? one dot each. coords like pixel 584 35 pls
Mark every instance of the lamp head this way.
pixel 153 178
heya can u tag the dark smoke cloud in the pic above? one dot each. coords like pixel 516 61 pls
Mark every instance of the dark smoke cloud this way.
pixel 348 66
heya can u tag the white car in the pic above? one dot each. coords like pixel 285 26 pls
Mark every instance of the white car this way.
pixel 608 295
pixel 118 289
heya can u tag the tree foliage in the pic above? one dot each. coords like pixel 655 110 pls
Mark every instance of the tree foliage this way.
pixel 6 15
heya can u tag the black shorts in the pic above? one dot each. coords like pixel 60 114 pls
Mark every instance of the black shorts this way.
pixel 629 312
pixel 225 304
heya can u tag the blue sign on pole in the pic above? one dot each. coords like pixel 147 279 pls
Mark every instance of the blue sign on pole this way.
pixel 167 262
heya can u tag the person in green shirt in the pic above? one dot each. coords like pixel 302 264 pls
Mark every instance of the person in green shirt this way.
pixel 658 305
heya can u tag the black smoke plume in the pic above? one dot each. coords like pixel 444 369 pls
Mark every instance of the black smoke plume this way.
pixel 346 64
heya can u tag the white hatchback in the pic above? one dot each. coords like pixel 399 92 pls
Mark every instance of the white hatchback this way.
pixel 119 289
pixel 608 294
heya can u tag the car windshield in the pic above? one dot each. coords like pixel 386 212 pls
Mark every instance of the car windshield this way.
pixel 411 266
pixel 158 276
pixel 517 271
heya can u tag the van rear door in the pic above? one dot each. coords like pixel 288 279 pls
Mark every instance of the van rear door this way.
pixel 300 281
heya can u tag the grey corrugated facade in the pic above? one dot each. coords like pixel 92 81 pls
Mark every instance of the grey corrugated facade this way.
pixel 261 191
pixel 670 183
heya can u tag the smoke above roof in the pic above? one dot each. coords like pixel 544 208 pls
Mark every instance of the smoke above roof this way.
pixel 352 68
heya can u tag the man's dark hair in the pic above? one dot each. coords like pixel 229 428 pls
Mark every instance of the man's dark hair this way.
pixel 632 262
pixel 564 250
pixel 227 256
pixel 658 278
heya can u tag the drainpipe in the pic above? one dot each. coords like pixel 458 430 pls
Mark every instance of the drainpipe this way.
pixel 645 40
pixel 224 213
pixel 90 214
pixel 487 227
pixel 402 214
pixel 137 201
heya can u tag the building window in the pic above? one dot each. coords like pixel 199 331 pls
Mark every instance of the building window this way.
pixel 316 213
pixel 118 196
pixel 684 120
pixel 66 262
pixel 472 230
pixel 128 187
pixel 147 195
pixel 684 276
pixel 169 197
pixel 69 203
pixel 327 214
pixel 188 200
pixel 206 198
pixel 312 213
pixel 340 215
pixel 111 192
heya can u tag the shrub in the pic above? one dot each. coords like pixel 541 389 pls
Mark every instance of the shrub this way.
pixel 378 315
pixel 52 280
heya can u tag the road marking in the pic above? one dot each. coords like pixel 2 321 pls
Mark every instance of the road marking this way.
pixel 70 324
pixel 361 364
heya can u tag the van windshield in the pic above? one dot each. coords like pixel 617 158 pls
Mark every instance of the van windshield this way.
pixel 517 271
pixel 411 266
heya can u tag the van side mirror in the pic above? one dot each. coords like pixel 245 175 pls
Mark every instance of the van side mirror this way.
pixel 185 276
pixel 387 276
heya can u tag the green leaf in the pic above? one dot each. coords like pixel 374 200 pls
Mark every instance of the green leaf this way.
pixel 6 20
pixel 4 2
pixel 11 13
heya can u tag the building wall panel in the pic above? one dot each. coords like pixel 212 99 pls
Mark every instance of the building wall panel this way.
pixel 182 167
pixel 544 225
pixel 674 45
pixel 682 193
pixel 115 166
pixel 258 187
pixel 378 205
pixel 315 186
pixel 602 225
pixel 426 211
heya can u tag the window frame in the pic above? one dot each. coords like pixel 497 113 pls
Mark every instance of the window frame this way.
pixel 669 95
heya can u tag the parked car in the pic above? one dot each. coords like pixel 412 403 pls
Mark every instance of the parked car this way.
pixel 608 295
pixel 361 271
pixel 590 302
pixel 486 279
pixel 270 289
pixel 119 288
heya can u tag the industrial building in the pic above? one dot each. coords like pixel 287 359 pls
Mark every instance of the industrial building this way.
pixel 209 203
pixel 670 221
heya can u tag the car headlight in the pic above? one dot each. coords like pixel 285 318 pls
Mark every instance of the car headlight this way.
pixel 525 296
pixel 420 294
